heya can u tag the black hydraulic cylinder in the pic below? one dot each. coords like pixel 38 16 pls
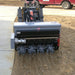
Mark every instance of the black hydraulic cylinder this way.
pixel 19 15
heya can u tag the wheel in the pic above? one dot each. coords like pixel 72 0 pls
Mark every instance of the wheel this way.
pixel 66 5
pixel 71 6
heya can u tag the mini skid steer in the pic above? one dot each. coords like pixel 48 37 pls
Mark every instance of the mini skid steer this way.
pixel 31 34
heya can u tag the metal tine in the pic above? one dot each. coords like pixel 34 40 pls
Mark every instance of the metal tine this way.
pixel 21 50
pixel 31 49
pixel 50 49
pixel 40 49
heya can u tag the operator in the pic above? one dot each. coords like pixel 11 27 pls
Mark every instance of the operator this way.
pixel 27 1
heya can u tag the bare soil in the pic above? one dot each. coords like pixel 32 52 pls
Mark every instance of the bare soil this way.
pixel 12 2
pixel 62 62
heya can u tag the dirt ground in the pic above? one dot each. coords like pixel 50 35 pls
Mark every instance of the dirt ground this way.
pixel 62 62
pixel 11 3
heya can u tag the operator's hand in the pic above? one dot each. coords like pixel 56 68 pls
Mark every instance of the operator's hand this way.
pixel 27 1
pixel 33 2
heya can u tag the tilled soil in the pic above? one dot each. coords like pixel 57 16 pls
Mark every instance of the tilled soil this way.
pixel 62 62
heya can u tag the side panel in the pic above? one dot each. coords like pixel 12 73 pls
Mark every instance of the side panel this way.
pixel 55 1
pixel 58 1
pixel 72 1
pixel 46 1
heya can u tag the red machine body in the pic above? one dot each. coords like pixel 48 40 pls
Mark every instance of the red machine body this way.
pixel 55 1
